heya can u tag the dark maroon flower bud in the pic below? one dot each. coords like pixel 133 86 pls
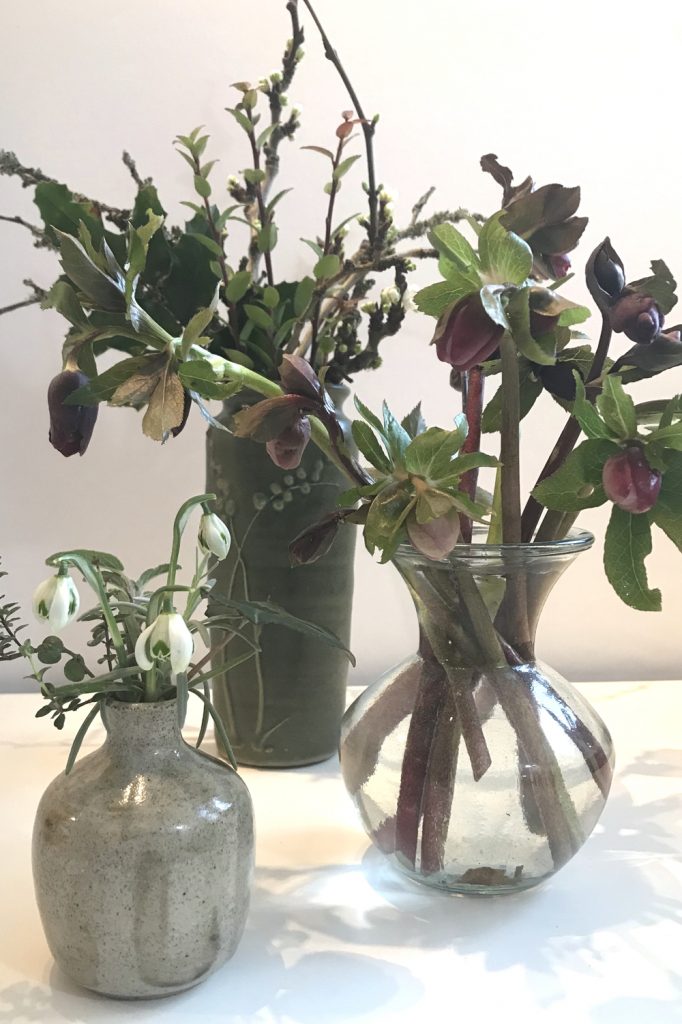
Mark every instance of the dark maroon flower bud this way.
pixel 315 541
pixel 558 380
pixel 185 413
pixel 468 336
pixel 630 482
pixel 286 450
pixel 559 264
pixel 637 316
pixel 608 270
pixel 299 378
pixel 71 426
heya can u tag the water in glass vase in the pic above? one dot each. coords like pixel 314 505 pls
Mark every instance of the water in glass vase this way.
pixel 476 768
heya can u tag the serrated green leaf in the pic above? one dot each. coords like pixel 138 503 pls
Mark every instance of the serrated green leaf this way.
pixel 80 269
pixel 63 298
pixel 370 446
pixel 60 212
pixel 198 375
pixel 397 438
pixel 668 437
pixel 385 520
pixel 592 424
pixel 661 286
pixel 626 545
pixel 414 422
pixel 577 484
pixel 102 388
pixel 452 244
pixel 505 257
pixel 617 409
pixel 369 417
pixel 431 454
pixel 667 512
pixel 327 267
pixel 436 298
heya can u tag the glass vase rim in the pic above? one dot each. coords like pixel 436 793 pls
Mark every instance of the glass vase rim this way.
pixel 575 541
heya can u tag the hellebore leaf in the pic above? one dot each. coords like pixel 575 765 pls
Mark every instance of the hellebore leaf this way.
pixel 617 409
pixel 660 286
pixel 667 512
pixel 592 424
pixel 452 244
pixel 431 454
pixel 198 375
pixel 369 445
pixel 626 545
pixel 668 437
pixel 505 257
pixel 436 298
pixel 103 387
pixel 577 484
pixel 396 436
pixel 414 423
pixel 648 360
pixel 79 268
pixel 384 528
pixel 60 212
pixel 63 298
pixel 369 417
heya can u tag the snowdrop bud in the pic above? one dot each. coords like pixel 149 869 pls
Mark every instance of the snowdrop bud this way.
pixel 214 536
pixel 167 639
pixel 56 601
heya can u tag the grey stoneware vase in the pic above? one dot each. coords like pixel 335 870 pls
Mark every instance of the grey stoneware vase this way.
pixel 283 707
pixel 142 859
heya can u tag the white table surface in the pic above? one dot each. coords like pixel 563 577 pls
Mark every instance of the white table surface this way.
pixel 335 937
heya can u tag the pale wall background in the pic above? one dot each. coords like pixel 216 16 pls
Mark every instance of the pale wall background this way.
pixel 581 92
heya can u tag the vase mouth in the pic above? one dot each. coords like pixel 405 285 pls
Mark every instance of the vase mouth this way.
pixel 572 544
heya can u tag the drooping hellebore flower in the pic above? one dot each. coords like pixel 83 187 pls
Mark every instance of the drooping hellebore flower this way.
pixel 630 482
pixel 637 316
pixel 286 450
pixel 436 538
pixel 71 426
pixel 468 336
pixel 214 536
pixel 167 639
pixel 559 263
pixel 56 601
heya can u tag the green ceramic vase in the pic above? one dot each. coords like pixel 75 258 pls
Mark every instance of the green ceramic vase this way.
pixel 283 707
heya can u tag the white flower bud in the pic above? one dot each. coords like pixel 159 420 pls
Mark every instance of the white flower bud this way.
pixel 408 300
pixel 56 601
pixel 390 297
pixel 214 536
pixel 167 639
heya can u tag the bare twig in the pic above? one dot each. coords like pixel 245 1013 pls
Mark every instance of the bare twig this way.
pixel 38 296
pixel 134 173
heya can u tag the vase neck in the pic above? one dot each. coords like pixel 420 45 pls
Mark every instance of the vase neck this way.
pixel 135 728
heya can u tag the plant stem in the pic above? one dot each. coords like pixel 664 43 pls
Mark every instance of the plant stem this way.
pixel 262 211
pixel 473 409
pixel 569 435
pixel 367 126
pixel 315 326
pixel 509 450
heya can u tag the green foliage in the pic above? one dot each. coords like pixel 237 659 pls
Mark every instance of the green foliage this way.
pixel 626 545
pixel 577 484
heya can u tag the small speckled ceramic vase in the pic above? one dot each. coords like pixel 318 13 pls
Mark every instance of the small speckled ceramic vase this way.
pixel 142 859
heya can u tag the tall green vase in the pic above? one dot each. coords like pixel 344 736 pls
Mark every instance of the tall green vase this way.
pixel 283 707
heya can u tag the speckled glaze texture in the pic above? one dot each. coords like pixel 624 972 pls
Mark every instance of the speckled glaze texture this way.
pixel 142 859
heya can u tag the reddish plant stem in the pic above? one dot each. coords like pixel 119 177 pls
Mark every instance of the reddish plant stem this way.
pixel 439 790
pixel 415 761
pixel 473 410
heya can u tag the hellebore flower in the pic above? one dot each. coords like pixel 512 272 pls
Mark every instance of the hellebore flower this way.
pixel 286 450
pixel 214 536
pixel 71 426
pixel 630 482
pixel 468 336
pixel 637 316
pixel 437 537
pixel 166 639
pixel 315 541
pixel 56 601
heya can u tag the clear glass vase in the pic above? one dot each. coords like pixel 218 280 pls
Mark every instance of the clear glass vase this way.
pixel 475 768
